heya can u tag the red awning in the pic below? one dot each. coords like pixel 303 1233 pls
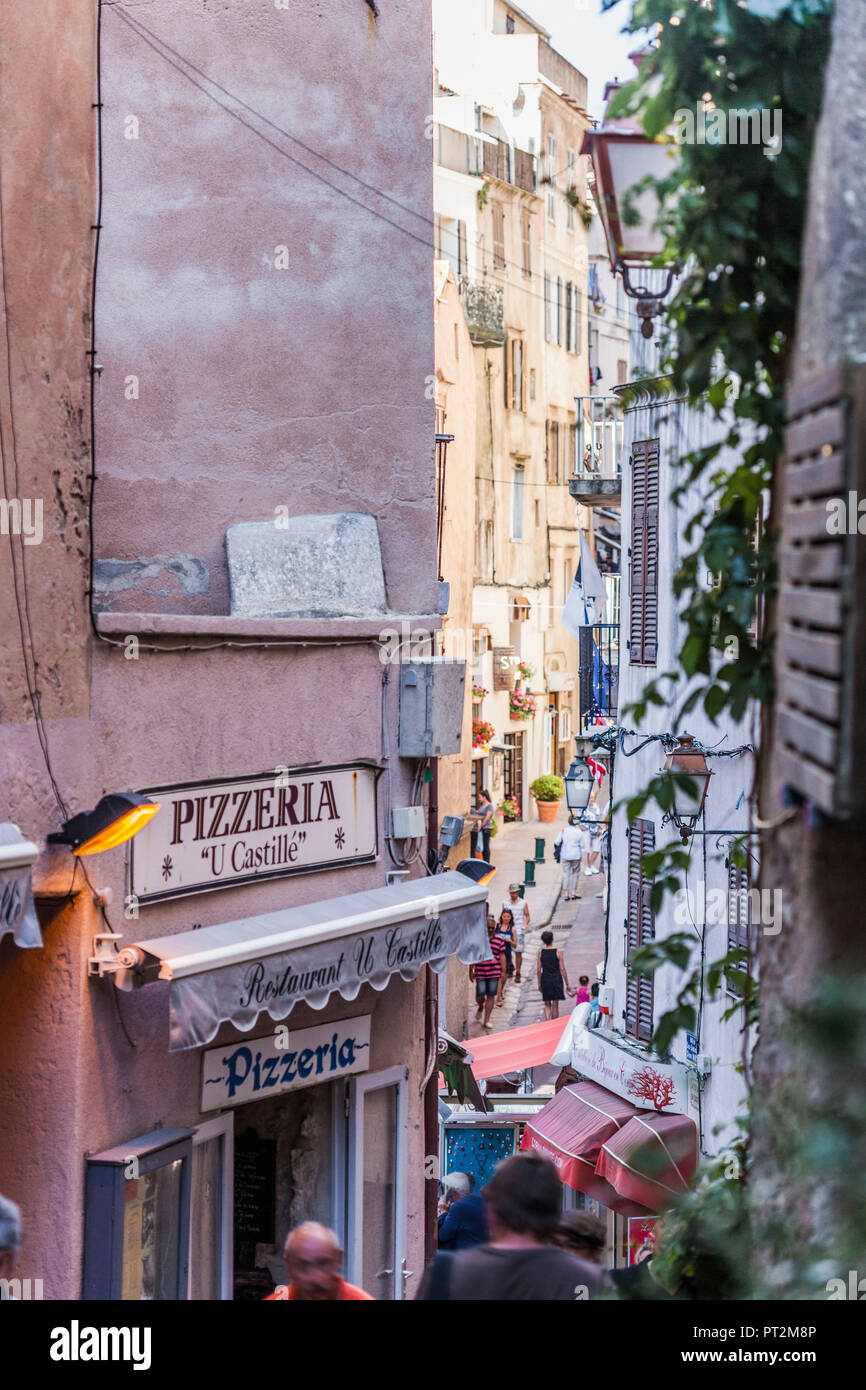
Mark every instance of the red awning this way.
pixel 515 1049
pixel 652 1159
pixel 571 1130
pixel 629 1160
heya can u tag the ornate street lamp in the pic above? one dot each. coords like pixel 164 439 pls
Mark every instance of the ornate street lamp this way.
pixel 579 783
pixel 622 158
pixel 690 783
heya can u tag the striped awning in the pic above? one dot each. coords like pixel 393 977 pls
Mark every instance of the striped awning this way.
pixel 630 1160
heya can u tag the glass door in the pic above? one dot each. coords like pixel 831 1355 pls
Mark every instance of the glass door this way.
pixel 376 1226
pixel 211 1234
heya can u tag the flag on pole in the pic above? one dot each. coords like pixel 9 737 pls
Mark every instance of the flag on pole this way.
pixel 585 604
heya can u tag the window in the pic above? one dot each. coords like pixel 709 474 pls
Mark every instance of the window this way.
pixel 569 318
pixel 517 505
pixel 570 214
pixel 575 320
pixel 526 241
pixel 537 514
pixel 643 634
pixel 498 236
pixel 456 343
pixel 532 383
pixel 621 372
pixel 462 260
pixel 560 309
pixel 640 930
pixel 551 178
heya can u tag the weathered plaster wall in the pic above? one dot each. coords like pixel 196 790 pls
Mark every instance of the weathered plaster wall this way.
pixel 272 325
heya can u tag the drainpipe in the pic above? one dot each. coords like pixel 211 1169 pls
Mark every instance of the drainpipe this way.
pixel 431 1048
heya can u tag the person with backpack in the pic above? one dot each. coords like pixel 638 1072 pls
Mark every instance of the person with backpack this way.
pixel 523 1201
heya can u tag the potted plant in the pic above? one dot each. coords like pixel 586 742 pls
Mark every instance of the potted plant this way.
pixel 548 792
pixel 525 671
pixel 521 705
pixel 482 733
pixel 510 808
pixel 478 692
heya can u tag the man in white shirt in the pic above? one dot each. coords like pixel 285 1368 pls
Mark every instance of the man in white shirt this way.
pixel 573 841
pixel 519 909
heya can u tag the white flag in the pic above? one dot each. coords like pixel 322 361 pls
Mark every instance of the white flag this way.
pixel 585 603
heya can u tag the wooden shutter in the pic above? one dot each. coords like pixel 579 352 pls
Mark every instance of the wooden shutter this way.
pixel 524 385
pixel 640 928
pixel 506 349
pixel 569 344
pixel 821 738
pixel 462 264
pixel 644 569
pixel 739 915
pixel 498 236
pixel 527 244
pixel 560 303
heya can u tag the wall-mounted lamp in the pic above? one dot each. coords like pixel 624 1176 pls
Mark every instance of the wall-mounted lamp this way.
pixel 690 784
pixel 579 783
pixel 623 159
pixel 476 869
pixel 116 818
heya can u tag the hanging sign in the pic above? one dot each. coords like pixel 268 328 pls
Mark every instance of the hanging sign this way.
pixel 220 834
pixel 284 1060
pixel 647 1084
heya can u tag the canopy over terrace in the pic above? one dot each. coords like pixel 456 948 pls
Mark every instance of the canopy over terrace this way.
pixel 232 972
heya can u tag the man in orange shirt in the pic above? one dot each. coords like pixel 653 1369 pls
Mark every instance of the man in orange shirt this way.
pixel 313 1261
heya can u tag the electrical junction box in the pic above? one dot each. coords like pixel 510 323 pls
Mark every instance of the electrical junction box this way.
pixel 432 700
pixel 605 999
pixel 408 822
pixel 451 831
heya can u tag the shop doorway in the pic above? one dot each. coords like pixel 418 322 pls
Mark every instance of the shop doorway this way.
pixel 513 778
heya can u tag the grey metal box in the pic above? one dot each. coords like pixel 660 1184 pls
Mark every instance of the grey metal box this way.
pixel 432 699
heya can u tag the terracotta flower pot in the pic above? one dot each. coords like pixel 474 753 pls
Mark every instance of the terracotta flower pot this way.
pixel 547 810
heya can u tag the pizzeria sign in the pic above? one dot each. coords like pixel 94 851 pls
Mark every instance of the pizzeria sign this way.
pixel 215 834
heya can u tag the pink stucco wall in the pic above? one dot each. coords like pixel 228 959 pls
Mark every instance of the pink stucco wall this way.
pixel 258 387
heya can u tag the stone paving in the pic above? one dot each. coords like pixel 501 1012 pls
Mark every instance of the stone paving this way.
pixel 578 927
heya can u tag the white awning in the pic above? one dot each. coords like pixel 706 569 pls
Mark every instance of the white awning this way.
pixel 232 972
pixel 17 912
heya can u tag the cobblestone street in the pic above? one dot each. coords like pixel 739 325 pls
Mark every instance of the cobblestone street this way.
pixel 578 927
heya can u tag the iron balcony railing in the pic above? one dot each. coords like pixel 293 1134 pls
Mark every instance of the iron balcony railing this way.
pixel 598 437
pixel 598 673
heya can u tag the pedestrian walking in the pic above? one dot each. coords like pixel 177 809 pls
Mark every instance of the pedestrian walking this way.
pixel 509 935
pixel 523 1201
pixel 462 1218
pixel 487 974
pixel 583 1234
pixel 582 992
pixel 314 1260
pixel 519 909
pixel 483 828
pixel 552 977
pixel 593 818
pixel 572 841
pixel 10 1243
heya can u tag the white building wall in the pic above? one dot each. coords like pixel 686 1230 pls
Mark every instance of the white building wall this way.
pixel 679 429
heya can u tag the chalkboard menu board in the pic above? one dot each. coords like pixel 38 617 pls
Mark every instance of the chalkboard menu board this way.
pixel 255 1189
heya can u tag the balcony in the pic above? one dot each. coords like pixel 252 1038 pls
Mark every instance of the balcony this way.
pixel 485 156
pixel 597 477
pixel 484 310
